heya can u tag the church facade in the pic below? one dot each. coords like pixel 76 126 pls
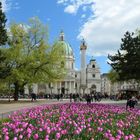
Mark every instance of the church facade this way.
pixel 86 80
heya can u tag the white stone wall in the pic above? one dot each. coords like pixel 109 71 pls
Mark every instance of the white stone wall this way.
pixel 106 85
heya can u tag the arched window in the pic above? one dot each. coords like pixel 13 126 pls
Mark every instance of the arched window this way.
pixel 93 89
pixel 72 65
pixel 93 86
pixel 93 66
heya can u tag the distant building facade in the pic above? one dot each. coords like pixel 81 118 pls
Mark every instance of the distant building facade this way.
pixel 105 84
pixel 118 88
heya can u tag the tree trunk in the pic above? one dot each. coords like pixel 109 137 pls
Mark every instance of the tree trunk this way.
pixel 16 91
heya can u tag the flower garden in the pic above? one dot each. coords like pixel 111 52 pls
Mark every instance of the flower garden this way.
pixel 76 121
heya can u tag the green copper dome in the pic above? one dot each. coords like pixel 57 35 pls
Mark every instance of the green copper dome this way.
pixel 67 50
pixel 65 47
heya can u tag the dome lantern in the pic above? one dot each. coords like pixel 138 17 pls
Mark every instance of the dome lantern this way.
pixel 62 35
pixel 66 47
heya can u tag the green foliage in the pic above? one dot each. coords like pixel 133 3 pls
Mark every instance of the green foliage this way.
pixel 5 120
pixel 127 60
pixel 113 76
pixel 3 40
pixel 30 58
pixel 3 33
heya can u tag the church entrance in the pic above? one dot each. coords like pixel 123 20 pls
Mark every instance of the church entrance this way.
pixel 63 90
pixel 93 89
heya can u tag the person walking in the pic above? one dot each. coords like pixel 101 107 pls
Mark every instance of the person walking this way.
pixel 131 103
pixel 70 97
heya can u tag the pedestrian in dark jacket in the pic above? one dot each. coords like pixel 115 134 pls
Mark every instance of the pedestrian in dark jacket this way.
pixel 131 103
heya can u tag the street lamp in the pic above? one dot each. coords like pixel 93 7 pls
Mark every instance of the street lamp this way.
pixel 11 87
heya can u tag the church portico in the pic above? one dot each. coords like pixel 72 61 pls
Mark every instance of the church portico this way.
pixel 64 87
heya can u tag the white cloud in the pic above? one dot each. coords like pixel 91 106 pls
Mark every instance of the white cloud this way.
pixel 6 5
pixel 72 9
pixel 113 19
pixel 83 16
pixel 84 8
pixel 61 1
pixel 72 6
pixel 104 29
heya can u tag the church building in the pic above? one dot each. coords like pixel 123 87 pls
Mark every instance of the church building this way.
pixel 86 80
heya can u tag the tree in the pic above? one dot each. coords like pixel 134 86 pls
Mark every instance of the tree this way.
pixel 113 76
pixel 127 60
pixel 30 58
pixel 3 40
pixel 3 33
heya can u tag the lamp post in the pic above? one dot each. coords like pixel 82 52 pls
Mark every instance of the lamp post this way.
pixel 58 92
pixel 58 95
pixel 9 90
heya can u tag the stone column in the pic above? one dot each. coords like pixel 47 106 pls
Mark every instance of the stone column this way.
pixel 83 48
pixel 70 87
pixel 66 87
pixel 60 87
pixel 55 88
pixel 74 86
pixel 66 84
pixel 26 89
pixel 35 88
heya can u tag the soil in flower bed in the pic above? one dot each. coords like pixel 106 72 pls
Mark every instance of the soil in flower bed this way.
pixel 75 121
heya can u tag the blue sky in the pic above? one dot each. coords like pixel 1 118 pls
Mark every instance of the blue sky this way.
pixel 101 23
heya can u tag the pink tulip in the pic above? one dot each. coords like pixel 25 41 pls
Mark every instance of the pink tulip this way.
pixel 126 137
pixel 58 135
pixel 20 136
pixel 6 137
pixel 36 136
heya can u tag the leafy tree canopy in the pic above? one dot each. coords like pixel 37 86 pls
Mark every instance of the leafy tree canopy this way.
pixel 3 33
pixel 29 56
pixel 113 76
pixel 126 62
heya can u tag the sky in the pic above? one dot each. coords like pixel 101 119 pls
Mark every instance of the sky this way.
pixel 102 23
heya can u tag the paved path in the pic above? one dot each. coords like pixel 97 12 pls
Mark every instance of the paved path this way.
pixel 120 103
pixel 8 108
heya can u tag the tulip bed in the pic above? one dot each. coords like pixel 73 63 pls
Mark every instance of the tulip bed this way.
pixel 76 121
